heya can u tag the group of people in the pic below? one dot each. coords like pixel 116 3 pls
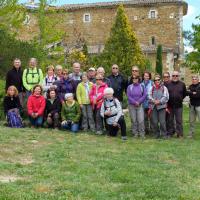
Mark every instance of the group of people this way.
pixel 91 101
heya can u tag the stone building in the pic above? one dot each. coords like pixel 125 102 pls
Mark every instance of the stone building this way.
pixel 154 22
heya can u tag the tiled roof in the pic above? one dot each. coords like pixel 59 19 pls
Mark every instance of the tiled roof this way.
pixel 126 2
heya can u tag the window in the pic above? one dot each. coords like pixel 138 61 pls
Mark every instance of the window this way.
pixel 153 14
pixel 86 17
pixel 135 18
pixel 153 40
pixel 171 16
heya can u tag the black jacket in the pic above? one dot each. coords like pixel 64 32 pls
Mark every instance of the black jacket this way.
pixel 177 92
pixel 119 85
pixel 10 103
pixel 54 107
pixel 14 77
pixel 194 98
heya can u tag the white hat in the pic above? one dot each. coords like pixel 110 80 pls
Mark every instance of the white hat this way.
pixel 68 95
pixel 108 91
pixel 91 69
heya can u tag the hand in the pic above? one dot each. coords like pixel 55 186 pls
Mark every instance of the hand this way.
pixel 157 102
pixel 115 124
pixel 33 115
pixel 194 92
pixel 94 101
pixel 107 113
pixel 81 105
pixel 137 104
pixel 64 122
pixel 49 115
pixel 36 115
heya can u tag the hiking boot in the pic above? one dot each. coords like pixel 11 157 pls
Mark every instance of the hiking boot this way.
pixel 124 138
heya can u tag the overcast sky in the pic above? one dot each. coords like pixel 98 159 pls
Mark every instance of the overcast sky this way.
pixel 193 9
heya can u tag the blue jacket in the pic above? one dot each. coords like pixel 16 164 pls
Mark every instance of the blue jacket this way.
pixel 147 85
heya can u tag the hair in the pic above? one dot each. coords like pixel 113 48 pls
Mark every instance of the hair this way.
pixel 166 73
pixel 100 68
pixel 195 76
pixel 135 66
pixel 50 67
pixel 33 59
pixel 59 67
pixel 157 76
pixel 147 72
pixel 36 87
pixel 65 70
pixel 83 74
pixel 49 91
pixel 16 59
pixel 12 87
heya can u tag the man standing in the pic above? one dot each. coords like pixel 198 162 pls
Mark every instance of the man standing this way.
pixel 117 82
pixel 166 78
pixel 135 72
pixel 91 74
pixel 14 77
pixel 177 92
pixel 194 94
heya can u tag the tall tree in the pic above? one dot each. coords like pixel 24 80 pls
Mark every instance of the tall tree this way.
pixel 122 47
pixel 159 65
pixel 11 14
pixel 193 58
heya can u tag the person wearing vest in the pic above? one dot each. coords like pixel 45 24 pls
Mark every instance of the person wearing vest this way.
pixel 177 92
pixel 136 94
pixel 194 94
pixel 96 99
pixel 14 78
pixel 158 98
pixel 111 111
pixel 82 94
pixel 147 84
pixel 49 80
pixel 117 82
pixel 32 76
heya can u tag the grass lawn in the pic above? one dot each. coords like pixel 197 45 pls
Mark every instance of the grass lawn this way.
pixel 55 165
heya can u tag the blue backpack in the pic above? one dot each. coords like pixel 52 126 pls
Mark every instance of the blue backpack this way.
pixel 14 120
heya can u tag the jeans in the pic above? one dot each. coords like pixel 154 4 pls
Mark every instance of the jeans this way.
pixel 53 120
pixel 36 121
pixel 72 127
pixel 137 119
pixel 194 112
pixel 158 119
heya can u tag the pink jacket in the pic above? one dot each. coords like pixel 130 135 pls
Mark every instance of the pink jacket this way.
pixel 97 94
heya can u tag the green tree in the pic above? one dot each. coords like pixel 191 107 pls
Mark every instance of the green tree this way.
pixel 11 14
pixel 159 65
pixel 122 47
pixel 193 58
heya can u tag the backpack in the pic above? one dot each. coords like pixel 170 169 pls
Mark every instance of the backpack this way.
pixel 14 120
pixel 115 104
pixel 38 73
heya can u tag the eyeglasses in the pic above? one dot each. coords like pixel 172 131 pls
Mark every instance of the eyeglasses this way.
pixel 65 73
pixel 115 68
pixel 134 70
pixel 157 80
pixel 166 76
pixel 175 75
pixel 194 79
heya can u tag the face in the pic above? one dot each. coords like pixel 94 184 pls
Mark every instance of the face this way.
pixel 59 72
pixel 37 91
pixel 195 80
pixel 135 80
pixel 175 76
pixel 135 71
pixel 91 74
pixel 84 79
pixel 32 63
pixel 109 96
pixel 115 69
pixel 70 99
pixel 52 94
pixel 17 64
pixel 157 81
pixel 76 68
pixel 98 81
pixel 11 92
pixel 65 75
pixel 166 77
pixel 50 72
pixel 101 72
pixel 146 76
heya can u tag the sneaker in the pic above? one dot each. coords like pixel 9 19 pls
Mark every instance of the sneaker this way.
pixel 124 138
pixel 99 132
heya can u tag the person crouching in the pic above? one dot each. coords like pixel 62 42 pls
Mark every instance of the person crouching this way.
pixel 111 111
pixel 70 113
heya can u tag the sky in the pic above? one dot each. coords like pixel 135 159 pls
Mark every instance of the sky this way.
pixel 188 20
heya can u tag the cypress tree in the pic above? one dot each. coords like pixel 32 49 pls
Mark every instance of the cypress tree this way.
pixel 159 65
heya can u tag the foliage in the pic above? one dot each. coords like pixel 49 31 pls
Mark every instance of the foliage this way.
pixel 122 47
pixel 12 48
pixel 159 65
pixel 193 58
pixel 148 66
pixel 11 14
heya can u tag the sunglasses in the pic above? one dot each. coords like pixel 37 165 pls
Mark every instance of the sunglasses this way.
pixel 157 80
pixel 98 79
pixel 65 73
pixel 175 75
pixel 134 70
pixel 114 68
pixel 166 76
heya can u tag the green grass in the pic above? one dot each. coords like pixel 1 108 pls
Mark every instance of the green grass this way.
pixel 56 165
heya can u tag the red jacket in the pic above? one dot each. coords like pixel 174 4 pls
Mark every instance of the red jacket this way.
pixel 36 104
pixel 97 94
